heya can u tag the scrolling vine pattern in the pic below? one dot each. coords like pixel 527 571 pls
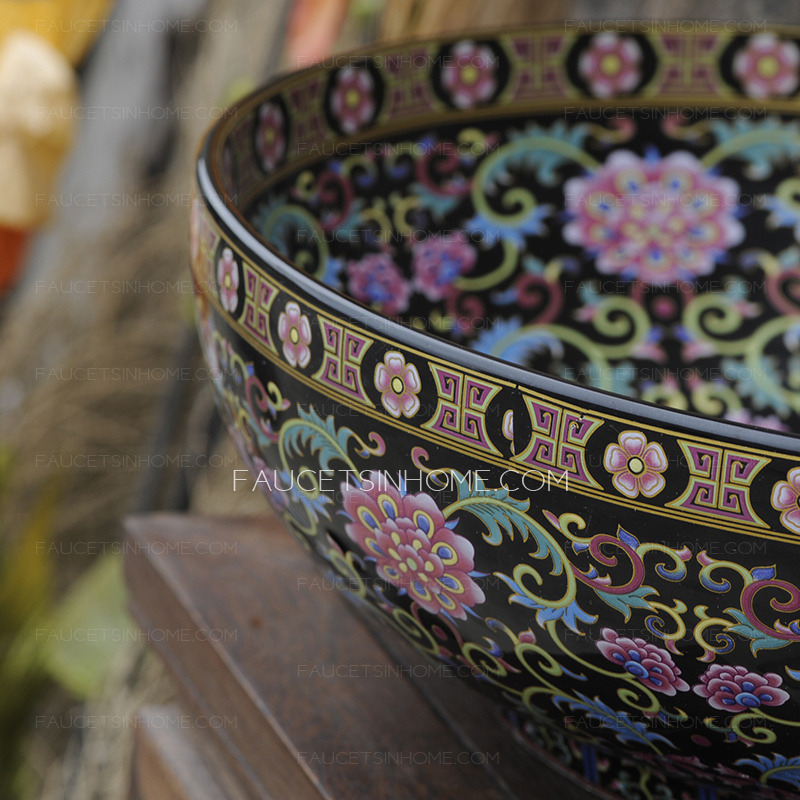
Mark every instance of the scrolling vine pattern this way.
pixel 588 635
pixel 667 272
pixel 654 255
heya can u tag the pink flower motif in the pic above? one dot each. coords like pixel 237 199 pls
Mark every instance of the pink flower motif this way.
pixel 786 499
pixel 767 67
pixel 651 665
pixel 438 264
pixel 353 98
pixel 412 547
pixel 377 280
pixel 736 689
pixel 610 65
pixel 469 76
pixel 294 331
pixel 228 280
pixel 653 219
pixel 270 138
pixel 399 385
pixel 636 465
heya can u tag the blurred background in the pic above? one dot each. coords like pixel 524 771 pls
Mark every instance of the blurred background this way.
pixel 104 404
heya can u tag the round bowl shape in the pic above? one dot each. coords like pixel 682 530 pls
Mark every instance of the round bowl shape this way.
pixel 485 317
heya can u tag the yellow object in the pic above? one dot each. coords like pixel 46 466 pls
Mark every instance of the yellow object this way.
pixel 40 43
pixel 38 93
pixel 70 26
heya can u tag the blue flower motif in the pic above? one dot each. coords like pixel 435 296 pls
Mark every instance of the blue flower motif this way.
pixel 626 729
pixel 777 768
pixel 331 275
pixel 507 339
pixel 300 493
pixel 767 391
pixel 570 614
pixel 783 215
pixel 492 231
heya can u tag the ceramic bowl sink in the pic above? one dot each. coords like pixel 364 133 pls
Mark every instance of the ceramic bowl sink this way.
pixel 507 328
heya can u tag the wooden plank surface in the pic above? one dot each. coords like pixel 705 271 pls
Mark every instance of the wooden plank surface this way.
pixel 166 765
pixel 295 694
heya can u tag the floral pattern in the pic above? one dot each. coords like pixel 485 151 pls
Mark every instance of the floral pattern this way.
pixel 737 689
pixel 786 499
pixel 636 464
pixel 653 219
pixel 650 335
pixel 767 66
pixel 294 331
pixel 470 74
pixel 782 769
pixel 611 64
pixel 270 136
pixel 377 281
pixel 413 548
pixel 658 587
pixel 652 665
pixel 228 280
pixel 399 385
pixel 353 98
pixel 438 264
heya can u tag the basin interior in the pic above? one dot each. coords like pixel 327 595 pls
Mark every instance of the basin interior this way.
pixel 630 254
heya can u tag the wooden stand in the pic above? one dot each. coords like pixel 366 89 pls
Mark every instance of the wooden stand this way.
pixel 286 693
